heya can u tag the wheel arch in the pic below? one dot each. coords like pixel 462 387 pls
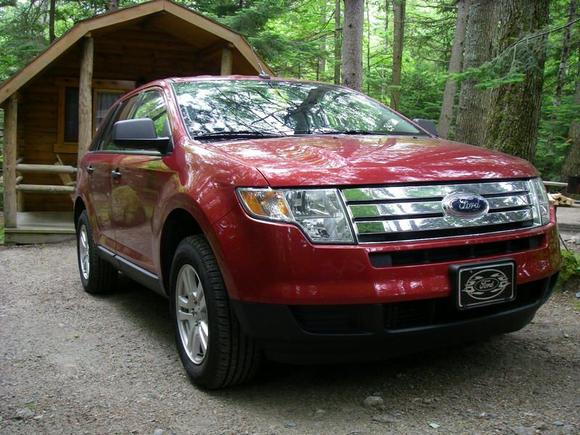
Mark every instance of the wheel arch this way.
pixel 178 225
pixel 78 209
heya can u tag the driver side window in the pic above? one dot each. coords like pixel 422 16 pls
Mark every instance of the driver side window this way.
pixel 106 143
pixel 152 105
pixel 149 104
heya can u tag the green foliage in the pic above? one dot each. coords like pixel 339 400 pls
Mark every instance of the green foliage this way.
pixel 296 38
pixel 570 266
pixel 553 140
pixel 21 37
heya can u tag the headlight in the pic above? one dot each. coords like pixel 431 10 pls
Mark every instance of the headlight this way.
pixel 541 202
pixel 319 212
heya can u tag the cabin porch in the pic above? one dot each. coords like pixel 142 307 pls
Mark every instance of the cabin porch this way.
pixel 54 105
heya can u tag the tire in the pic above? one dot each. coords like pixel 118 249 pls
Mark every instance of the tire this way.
pixel 97 275
pixel 230 357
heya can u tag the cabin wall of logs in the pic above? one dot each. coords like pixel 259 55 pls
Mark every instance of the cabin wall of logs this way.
pixel 35 165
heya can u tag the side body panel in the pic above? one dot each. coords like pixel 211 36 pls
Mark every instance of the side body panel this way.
pixel 95 183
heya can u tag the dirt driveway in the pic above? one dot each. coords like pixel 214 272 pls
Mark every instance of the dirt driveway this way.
pixel 74 363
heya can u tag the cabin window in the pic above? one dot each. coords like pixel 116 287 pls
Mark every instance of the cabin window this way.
pixel 105 93
pixel 71 114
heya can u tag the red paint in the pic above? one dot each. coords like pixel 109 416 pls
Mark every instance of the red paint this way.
pixel 275 263
pixel 266 262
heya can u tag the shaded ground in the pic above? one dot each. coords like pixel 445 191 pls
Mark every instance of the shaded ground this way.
pixel 74 363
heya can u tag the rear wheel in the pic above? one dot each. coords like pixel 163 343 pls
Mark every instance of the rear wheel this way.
pixel 213 349
pixel 97 276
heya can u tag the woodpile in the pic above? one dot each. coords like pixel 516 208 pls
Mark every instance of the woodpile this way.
pixel 560 200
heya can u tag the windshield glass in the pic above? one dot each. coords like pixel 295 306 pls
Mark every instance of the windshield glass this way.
pixel 265 108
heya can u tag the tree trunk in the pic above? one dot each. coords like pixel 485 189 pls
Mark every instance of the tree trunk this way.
pixel 383 70
pixel 386 24
pixel 337 41
pixel 51 19
pixel 564 54
pixel 321 65
pixel 473 102
pixel 572 164
pixel 398 35
pixel 352 44
pixel 514 114
pixel 368 48
pixel 446 116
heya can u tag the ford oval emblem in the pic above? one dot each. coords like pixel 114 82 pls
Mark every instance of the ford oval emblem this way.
pixel 465 205
pixel 487 284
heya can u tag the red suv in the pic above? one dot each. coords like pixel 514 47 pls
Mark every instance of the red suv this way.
pixel 306 222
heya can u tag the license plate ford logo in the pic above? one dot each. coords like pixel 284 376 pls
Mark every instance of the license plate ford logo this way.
pixel 481 284
pixel 486 284
pixel 465 205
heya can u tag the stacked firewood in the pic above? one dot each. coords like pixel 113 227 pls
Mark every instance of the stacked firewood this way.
pixel 561 200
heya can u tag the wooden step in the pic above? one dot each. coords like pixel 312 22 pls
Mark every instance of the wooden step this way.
pixel 41 227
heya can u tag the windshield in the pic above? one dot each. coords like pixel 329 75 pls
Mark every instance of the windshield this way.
pixel 265 108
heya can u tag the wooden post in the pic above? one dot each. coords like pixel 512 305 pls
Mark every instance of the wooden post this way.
pixel 227 60
pixel 86 98
pixel 10 151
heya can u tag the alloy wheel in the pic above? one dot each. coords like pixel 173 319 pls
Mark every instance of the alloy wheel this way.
pixel 191 314
pixel 84 252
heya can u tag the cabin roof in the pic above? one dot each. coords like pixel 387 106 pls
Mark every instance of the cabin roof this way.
pixel 177 14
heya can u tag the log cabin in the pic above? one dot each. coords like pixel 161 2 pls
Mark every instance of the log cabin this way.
pixel 53 106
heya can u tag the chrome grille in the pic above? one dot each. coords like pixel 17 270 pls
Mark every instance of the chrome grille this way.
pixel 381 214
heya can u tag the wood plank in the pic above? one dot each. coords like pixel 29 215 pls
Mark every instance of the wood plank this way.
pixel 43 188
pixel 47 169
pixel 28 238
pixel 555 184
pixel 9 166
pixel 86 98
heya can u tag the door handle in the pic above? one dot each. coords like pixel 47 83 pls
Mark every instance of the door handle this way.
pixel 90 169
pixel 115 173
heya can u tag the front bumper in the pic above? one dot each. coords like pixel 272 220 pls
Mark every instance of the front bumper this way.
pixel 272 263
pixel 306 334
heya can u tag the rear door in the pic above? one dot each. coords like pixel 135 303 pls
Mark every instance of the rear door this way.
pixel 99 164
pixel 137 187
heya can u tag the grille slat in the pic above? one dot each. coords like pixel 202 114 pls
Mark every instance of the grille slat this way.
pixel 393 213
pixel 434 191
pixel 359 210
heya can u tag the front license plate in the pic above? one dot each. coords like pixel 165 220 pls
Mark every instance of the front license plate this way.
pixel 481 284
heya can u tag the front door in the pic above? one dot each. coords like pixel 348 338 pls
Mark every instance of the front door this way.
pixel 137 185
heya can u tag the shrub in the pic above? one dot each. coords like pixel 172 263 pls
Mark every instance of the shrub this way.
pixel 570 266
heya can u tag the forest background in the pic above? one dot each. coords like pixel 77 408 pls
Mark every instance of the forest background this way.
pixel 497 73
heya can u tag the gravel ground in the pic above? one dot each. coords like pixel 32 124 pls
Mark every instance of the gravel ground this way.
pixel 75 363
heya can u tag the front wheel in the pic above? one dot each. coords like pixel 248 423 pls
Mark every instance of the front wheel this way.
pixel 213 349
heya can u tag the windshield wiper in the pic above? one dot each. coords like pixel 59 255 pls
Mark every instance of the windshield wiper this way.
pixel 370 133
pixel 237 134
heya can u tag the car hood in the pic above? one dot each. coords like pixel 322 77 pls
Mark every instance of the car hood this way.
pixel 345 160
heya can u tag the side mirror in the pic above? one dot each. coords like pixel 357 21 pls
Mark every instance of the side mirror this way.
pixel 427 124
pixel 139 134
